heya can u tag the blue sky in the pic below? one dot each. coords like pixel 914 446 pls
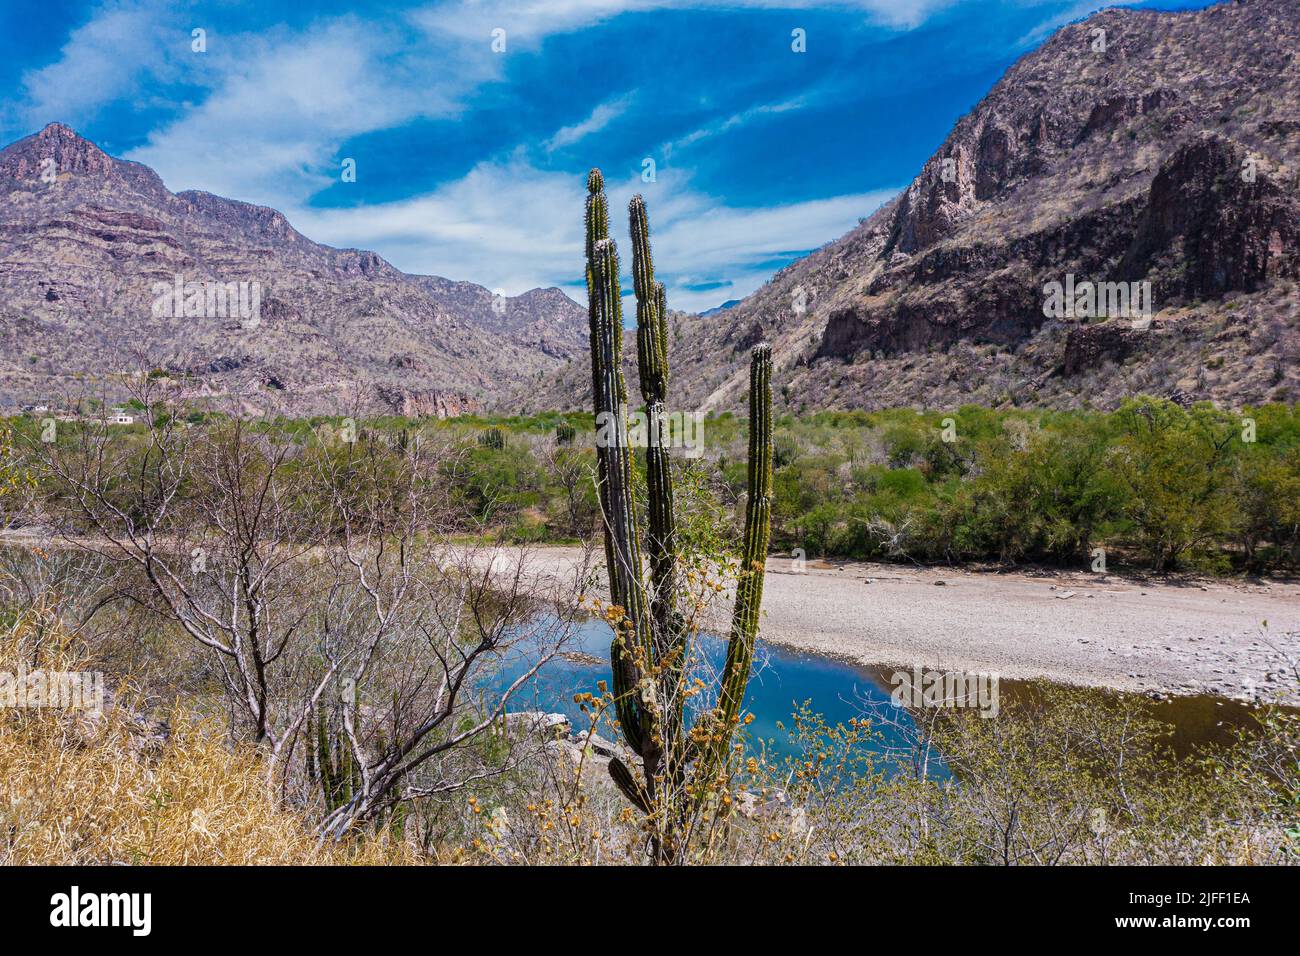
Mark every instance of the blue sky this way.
pixel 470 162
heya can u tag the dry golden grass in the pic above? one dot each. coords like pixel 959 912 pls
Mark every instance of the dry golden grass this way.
pixel 80 789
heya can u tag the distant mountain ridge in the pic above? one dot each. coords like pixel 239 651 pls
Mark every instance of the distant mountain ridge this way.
pixel 1135 146
pixel 86 240
pixel 721 308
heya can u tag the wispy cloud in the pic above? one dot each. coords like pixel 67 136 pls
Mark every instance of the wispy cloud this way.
pixel 734 121
pixel 1076 12
pixel 600 117
pixel 531 21
pixel 271 127
pixel 515 227
pixel 104 60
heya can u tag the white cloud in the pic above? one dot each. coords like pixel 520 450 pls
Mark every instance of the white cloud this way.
pixel 529 22
pixel 515 227
pixel 526 23
pixel 1076 12
pixel 102 61
pixel 504 225
pixel 732 122
pixel 600 117
pixel 270 130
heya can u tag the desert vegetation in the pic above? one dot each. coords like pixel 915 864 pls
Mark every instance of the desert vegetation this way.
pixel 315 650
pixel 1159 486
pixel 163 777
pixel 230 732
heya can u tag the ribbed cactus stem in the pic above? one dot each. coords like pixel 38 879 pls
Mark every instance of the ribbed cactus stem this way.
pixel 661 310
pixel 597 227
pixel 652 359
pixel 652 635
pixel 614 473
pixel 597 216
pixel 652 362
pixel 312 772
pixel 758 515
pixel 661 541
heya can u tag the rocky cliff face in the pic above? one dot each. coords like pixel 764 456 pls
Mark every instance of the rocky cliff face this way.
pixel 1214 223
pixel 1135 146
pixel 89 243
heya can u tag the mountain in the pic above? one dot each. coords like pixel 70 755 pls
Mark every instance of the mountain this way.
pixel 1168 154
pixel 90 247
pixel 721 308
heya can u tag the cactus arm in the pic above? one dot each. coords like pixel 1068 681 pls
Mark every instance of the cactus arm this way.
pixel 325 762
pixel 627 783
pixel 652 365
pixel 597 225
pixel 614 454
pixel 614 466
pixel 758 511
pixel 652 360
pixel 661 541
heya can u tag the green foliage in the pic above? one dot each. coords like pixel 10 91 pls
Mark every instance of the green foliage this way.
pixel 1156 485
pixel 495 484
pixel 1174 468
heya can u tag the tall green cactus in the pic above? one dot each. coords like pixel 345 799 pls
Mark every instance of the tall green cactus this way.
pixel 329 761
pixel 614 467
pixel 331 765
pixel 753 553
pixel 649 650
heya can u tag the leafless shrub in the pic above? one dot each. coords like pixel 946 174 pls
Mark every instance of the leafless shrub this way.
pixel 349 637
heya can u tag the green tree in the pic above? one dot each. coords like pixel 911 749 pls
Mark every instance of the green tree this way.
pixel 1174 466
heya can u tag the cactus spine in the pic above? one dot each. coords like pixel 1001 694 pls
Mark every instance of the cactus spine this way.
pixel 649 650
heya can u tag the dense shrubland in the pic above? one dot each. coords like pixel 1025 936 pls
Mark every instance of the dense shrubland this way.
pixel 320 695
pixel 1158 486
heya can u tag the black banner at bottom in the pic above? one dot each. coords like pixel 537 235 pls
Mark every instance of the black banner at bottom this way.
pixel 333 907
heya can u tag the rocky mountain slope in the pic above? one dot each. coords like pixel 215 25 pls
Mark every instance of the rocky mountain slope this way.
pixel 1164 150
pixel 89 244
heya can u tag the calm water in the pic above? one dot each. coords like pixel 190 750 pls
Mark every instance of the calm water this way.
pixel 781 681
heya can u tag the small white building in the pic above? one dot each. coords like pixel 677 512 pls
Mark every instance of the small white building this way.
pixel 118 416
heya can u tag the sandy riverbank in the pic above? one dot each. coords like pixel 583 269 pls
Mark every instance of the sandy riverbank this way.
pixel 1201 637
pixel 1077 628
